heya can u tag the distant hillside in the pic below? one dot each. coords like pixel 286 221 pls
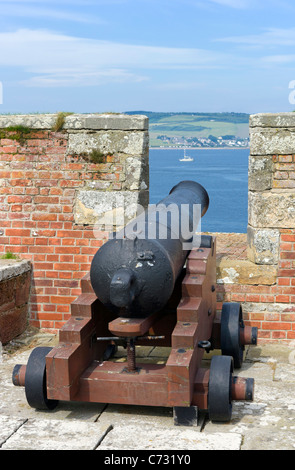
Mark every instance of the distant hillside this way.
pixel 197 129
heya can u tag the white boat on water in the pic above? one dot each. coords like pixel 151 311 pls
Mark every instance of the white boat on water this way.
pixel 186 158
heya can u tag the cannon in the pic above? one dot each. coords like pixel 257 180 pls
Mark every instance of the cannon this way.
pixel 153 282
pixel 134 274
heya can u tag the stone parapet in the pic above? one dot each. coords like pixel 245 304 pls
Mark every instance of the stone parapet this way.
pixel 271 197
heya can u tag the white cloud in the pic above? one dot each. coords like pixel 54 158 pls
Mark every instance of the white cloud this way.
pixel 34 11
pixel 269 37
pixel 240 4
pixel 53 59
pixel 279 59
pixel 66 78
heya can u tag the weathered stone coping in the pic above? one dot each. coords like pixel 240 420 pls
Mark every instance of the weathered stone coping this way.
pixel 12 267
pixel 77 121
pixel 272 120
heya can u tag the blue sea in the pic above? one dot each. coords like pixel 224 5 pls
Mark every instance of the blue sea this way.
pixel 223 173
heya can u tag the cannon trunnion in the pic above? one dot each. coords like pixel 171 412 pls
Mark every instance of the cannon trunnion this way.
pixel 80 367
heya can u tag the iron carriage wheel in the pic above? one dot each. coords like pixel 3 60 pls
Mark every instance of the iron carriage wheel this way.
pixel 219 392
pixel 231 325
pixel 35 380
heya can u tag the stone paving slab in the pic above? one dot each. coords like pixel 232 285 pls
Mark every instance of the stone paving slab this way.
pixel 8 427
pixel 147 437
pixel 52 434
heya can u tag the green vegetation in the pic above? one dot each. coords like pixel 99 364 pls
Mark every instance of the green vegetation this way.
pixel 95 156
pixel 60 121
pixel 9 255
pixel 18 133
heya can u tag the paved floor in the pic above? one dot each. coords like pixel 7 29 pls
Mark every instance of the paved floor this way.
pixel 266 423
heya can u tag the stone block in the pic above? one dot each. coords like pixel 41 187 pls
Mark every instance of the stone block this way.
pixel 263 245
pixel 106 121
pixel 33 121
pixel 117 121
pixel 136 174
pixel 272 120
pixel 108 208
pixel 271 209
pixel 260 172
pixel 108 142
pixel 13 267
pixel 271 141
pixel 244 272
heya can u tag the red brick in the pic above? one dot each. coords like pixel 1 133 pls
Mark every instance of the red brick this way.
pixel 267 298
pixel 257 316
pixel 289 290
pixel 286 272
pixel 47 233
pixel 46 200
pixel 42 241
pixel 283 281
pixel 276 325
pixel 28 241
pixel 18 232
pixel 288 317
pixel 15 240
pixel 288 237
pixel 269 316
pixel 69 233
pixel 66 266
pixel 278 335
pixel 62 299
pixel 68 241
pixel 282 298
pixel 263 334
pixel 53 258
pixel 65 274
pixel 67 250
pixel 19 199
pixel 88 251
pixel 51 274
pixel 49 308
pixel 67 259
pixel 287 255
pixel 286 246
pixel 41 216
pixel 252 298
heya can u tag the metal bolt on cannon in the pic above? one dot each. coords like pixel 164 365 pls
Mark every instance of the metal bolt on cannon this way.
pixel 152 283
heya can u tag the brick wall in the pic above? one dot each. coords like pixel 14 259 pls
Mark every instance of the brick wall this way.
pixel 50 188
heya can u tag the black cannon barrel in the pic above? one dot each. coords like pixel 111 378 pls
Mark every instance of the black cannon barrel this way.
pixel 134 273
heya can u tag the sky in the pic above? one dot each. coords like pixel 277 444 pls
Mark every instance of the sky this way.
pixel 87 56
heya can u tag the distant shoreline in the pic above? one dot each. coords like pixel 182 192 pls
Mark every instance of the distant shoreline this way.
pixel 198 148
